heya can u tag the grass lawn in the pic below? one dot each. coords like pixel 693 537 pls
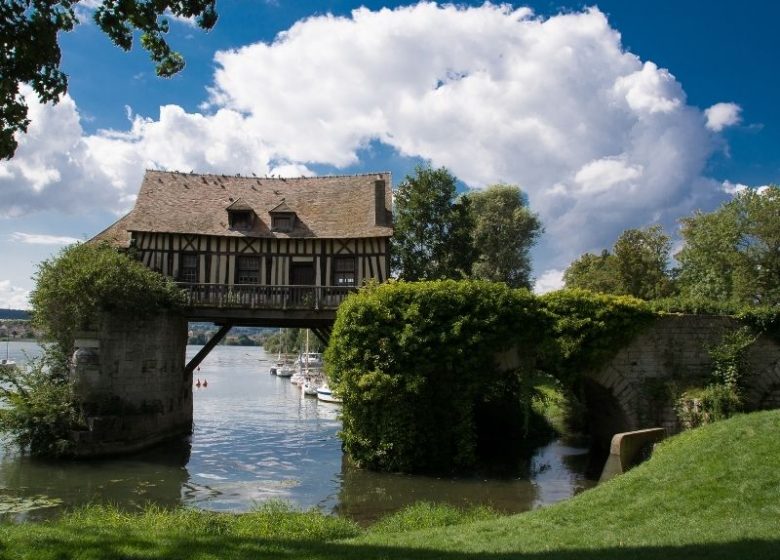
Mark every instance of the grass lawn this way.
pixel 710 493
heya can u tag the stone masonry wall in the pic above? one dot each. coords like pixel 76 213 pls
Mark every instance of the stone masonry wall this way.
pixel 675 352
pixel 129 379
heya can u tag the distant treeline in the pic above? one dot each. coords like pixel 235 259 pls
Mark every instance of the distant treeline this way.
pixel 15 314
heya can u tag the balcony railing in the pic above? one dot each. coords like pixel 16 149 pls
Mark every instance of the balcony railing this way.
pixel 254 296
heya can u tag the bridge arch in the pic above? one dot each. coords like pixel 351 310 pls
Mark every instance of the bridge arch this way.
pixel 630 391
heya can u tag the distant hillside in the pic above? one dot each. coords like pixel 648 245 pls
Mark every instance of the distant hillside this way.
pixel 15 314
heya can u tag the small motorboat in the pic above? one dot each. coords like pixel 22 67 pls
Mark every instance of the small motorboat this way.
pixel 7 363
pixel 325 394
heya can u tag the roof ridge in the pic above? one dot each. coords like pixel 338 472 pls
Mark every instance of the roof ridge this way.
pixel 265 177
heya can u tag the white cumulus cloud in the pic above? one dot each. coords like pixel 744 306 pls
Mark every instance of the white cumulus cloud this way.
pixel 599 139
pixel 722 115
pixel 13 297
pixel 551 280
pixel 42 239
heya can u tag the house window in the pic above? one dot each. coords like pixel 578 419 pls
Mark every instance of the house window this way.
pixel 189 268
pixel 282 223
pixel 240 219
pixel 344 271
pixel 248 270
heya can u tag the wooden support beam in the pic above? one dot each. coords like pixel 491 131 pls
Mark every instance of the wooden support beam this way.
pixel 323 333
pixel 198 358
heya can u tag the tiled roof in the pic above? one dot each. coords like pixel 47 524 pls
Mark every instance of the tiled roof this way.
pixel 326 207
pixel 116 234
pixel 239 204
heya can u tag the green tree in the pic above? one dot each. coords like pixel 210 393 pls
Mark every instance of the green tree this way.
pixel 432 237
pixel 637 266
pixel 642 257
pixel 504 232
pixel 733 253
pixel 29 34
pixel 597 273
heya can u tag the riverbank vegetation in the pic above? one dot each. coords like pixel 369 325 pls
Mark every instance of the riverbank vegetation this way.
pixel 292 341
pixel 707 494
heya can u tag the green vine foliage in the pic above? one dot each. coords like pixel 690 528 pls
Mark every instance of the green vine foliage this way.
pixel 724 396
pixel 85 279
pixel 589 329
pixel 415 364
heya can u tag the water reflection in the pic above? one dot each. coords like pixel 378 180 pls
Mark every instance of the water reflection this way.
pixel 155 476
pixel 257 438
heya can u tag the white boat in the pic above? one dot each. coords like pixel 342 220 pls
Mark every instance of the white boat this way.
pixel 6 363
pixel 284 365
pixel 310 359
pixel 279 363
pixel 284 370
pixel 297 377
pixel 325 394
pixel 309 387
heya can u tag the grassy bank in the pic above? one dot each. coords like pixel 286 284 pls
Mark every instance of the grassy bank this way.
pixel 710 493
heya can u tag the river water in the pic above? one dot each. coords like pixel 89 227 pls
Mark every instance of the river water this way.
pixel 257 438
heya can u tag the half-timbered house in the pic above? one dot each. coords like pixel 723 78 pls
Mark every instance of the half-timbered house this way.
pixel 261 242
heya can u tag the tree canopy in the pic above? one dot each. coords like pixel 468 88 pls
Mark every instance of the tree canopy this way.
pixel 432 238
pixel 733 253
pixel 504 232
pixel 30 54
pixel 638 266
pixel 485 234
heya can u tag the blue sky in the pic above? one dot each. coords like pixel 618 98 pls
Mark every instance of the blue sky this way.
pixel 600 115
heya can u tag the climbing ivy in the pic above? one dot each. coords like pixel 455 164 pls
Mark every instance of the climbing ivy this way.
pixel 723 396
pixel 415 364
pixel 589 329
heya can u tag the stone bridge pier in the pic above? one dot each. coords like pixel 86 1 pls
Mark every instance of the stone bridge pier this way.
pixel 634 390
pixel 129 377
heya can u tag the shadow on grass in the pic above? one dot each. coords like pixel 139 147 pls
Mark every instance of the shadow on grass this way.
pixel 181 547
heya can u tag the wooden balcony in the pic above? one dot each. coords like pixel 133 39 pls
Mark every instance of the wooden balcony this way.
pixel 253 304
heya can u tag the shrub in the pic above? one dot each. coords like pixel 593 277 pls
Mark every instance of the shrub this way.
pixel 38 410
pixel 697 407
pixel 414 362
pixel 87 278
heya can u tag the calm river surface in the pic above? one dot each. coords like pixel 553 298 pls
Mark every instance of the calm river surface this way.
pixel 255 439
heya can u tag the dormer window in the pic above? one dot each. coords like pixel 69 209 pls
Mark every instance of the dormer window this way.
pixel 282 218
pixel 240 215
pixel 240 220
pixel 282 223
